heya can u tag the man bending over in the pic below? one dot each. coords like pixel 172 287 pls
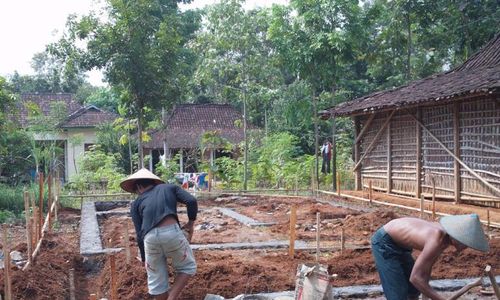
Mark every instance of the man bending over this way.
pixel 404 278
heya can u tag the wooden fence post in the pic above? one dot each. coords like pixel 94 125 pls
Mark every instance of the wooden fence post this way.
pixel 338 184
pixel 370 192
pixel 342 240
pixel 40 204
pixel 6 250
pixel 433 198
pixel 293 220
pixel 113 277
pixel 127 245
pixel 317 235
pixel 72 284
pixel 29 240
pixel 421 206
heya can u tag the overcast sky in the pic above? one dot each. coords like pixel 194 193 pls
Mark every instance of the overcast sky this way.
pixel 26 26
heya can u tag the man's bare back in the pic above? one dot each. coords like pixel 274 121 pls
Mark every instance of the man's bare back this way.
pixel 413 233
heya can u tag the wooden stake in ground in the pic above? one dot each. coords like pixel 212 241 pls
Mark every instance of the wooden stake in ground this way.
pixel 488 227
pixel 49 198
pixel 113 277
pixel 293 220
pixel 342 240
pixel 422 207
pixel 72 284
pixel 6 250
pixel 40 204
pixel 28 224
pixel 317 235
pixel 127 245
pixel 433 198
pixel 338 183
pixel 493 281
pixel 34 221
pixel 370 195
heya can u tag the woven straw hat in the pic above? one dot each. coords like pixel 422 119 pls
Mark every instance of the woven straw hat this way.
pixel 129 183
pixel 467 230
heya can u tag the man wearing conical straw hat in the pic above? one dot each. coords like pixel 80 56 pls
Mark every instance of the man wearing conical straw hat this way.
pixel 404 278
pixel 159 234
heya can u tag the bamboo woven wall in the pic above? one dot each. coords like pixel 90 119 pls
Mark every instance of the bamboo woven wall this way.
pixel 374 167
pixel 436 162
pixel 480 144
pixel 403 153
pixel 395 150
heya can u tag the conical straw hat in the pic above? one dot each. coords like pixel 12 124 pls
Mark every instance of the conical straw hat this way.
pixel 129 183
pixel 467 230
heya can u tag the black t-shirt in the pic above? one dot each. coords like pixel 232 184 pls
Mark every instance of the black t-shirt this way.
pixel 151 207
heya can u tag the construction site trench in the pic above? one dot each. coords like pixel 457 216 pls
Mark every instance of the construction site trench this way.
pixel 241 244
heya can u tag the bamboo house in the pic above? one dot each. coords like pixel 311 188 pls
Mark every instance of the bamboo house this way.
pixel 443 130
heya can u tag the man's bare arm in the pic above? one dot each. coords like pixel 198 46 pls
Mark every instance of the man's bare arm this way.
pixel 422 269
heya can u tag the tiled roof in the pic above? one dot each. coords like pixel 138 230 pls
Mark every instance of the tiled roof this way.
pixel 480 74
pixel 78 115
pixel 187 123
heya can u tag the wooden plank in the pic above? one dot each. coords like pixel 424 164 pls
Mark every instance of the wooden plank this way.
pixel 334 155
pixel 40 203
pixel 418 167
pixel 293 221
pixel 113 287
pixel 389 159
pixel 357 173
pixel 456 150
pixel 6 251
pixel 28 224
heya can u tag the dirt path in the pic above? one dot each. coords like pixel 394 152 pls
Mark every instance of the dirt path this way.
pixel 229 272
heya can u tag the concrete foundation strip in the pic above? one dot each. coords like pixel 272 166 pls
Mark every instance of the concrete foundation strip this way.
pixel 357 291
pixel 242 218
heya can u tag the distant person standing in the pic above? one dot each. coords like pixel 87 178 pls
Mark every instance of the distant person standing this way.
pixel 159 235
pixel 402 277
pixel 326 154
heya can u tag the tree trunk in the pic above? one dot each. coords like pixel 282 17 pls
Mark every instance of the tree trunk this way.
pixel 139 133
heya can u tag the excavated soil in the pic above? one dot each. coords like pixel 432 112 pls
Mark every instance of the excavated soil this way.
pixel 227 272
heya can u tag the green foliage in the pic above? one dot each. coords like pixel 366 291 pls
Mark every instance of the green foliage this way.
pixel 167 171
pixel 230 171
pixel 96 166
pixel 11 198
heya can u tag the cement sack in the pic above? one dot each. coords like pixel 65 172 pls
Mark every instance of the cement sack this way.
pixel 312 283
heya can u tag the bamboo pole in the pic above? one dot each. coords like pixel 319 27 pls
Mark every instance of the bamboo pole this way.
pixel 72 284
pixel 338 184
pixel 29 239
pixel 317 235
pixel 370 192
pixel 342 240
pixel 433 198
pixel 113 277
pixel 40 203
pixel 127 245
pixel 293 221
pixel 421 206
pixel 39 242
pixel 6 250
pixel 488 228
pixel 35 225
pixel 49 198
